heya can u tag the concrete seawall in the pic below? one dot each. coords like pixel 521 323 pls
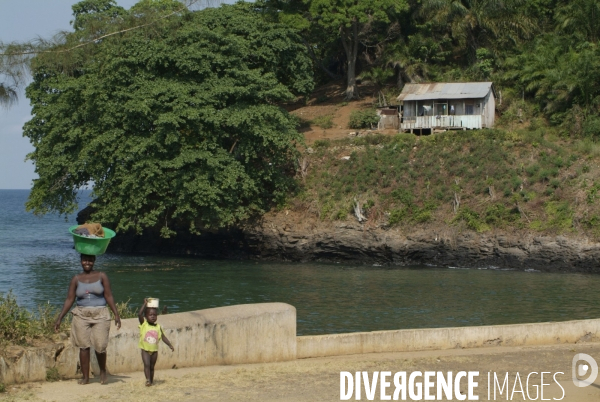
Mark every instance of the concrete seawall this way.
pixel 547 333
pixel 223 335
pixel 260 333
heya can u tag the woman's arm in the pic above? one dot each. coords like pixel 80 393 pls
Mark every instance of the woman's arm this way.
pixel 109 298
pixel 141 312
pixel 166 340
pixel 68 303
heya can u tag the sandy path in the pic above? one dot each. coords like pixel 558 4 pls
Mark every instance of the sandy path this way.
pixel 319 379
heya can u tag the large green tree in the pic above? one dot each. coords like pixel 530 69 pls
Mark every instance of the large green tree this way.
pixel 325 24
pixel 347 19
pixel 174 125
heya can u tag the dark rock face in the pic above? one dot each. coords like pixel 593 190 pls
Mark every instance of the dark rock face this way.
pixel 297 238
pixel 446 246
pixel 217 244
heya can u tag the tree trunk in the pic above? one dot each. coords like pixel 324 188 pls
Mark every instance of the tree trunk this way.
pixel 351 91
pixel 400 81
pixel 349 38
pixel 320 62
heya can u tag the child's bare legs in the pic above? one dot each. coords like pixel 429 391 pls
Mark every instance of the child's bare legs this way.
pixel 149 363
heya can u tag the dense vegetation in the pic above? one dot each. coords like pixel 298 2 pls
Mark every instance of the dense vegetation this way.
pixel 176 125
pixel 526 179
pixel 542 55
pixel 174 115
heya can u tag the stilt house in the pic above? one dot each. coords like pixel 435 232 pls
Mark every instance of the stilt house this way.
pixel 447 106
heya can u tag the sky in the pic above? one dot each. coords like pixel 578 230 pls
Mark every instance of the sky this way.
pixel 22 20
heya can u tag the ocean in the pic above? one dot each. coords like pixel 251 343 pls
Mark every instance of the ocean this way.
pixel 37 260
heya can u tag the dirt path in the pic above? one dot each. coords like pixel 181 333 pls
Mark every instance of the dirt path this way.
pixel 319 379
pixel 328 101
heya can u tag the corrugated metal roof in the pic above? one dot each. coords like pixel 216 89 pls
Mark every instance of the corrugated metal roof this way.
pixel 445 90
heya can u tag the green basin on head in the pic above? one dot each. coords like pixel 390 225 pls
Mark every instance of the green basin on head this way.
pixel 90 246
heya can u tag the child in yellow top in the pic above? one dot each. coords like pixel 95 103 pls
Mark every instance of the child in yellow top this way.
pixel 150 334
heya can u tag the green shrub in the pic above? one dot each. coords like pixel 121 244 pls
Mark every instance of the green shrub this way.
pixel 363 118
pixel 592 223
pixel 19 326
pixel 368 205
pixel 422 216
pixel 52 375
pixel 500 215
pixel 472 219
pixel 397 216
pixel 403 195
pixel 592 193
pixel 125 310
pixel 532 169
pixel 324 122
pixel 516 182
pixel 591 127
pixel 340 215
pixel 2 388
pixel 322 144
pixel 559 214
pixel 376 139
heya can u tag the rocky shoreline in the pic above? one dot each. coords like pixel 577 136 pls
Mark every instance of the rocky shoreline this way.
pixel 288 236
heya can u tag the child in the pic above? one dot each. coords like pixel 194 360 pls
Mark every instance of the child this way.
pixel 150 334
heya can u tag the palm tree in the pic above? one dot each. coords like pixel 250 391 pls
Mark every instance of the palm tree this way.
pixel 415 57
pixel 477 23
pixel 13 67
pixel 558 75
pixel 8 95
pixel 581 18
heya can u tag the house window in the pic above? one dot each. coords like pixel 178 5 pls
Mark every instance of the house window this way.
pixel 425 110
pixel 468 109
pixel 440 109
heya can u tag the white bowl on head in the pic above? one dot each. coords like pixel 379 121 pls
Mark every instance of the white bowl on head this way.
pixel 152 302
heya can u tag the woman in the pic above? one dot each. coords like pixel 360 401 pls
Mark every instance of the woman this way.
pixel 91 318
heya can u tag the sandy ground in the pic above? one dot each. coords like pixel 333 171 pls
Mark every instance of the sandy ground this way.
pixel 319 379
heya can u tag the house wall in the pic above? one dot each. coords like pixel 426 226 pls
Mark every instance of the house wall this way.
pixel 388 122
pixel 490 110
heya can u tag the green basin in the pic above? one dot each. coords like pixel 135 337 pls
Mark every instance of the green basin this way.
pixel 90 246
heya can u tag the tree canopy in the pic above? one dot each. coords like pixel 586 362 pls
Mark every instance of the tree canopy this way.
pixel 174 125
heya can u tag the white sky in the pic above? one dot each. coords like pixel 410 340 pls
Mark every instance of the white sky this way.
pixel 22 20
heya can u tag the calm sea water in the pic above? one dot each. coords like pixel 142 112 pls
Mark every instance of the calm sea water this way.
pixel 37 261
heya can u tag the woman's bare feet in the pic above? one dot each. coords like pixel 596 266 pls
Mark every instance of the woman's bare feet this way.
pixel 83 381
pixel 103 377
pixel 148 383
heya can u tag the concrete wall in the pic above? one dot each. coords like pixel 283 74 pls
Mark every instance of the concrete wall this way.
pixel 18 364
pixel 257 333
pixel 449 338
pixel 248 333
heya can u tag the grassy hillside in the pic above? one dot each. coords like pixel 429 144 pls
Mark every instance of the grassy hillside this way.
pixel 480 180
